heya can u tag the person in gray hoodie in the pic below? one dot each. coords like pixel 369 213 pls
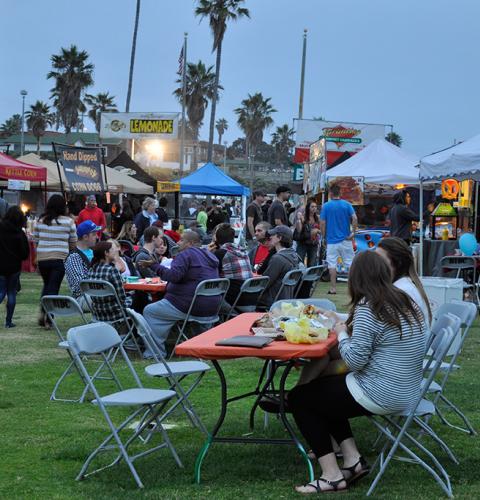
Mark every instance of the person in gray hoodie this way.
pixel 284 260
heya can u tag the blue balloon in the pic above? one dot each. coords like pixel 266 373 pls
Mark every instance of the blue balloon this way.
pixel 468 244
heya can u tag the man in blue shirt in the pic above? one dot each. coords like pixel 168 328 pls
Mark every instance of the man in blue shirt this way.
pixel 338 224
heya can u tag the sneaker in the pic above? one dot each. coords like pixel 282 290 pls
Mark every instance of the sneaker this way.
pixel 10 325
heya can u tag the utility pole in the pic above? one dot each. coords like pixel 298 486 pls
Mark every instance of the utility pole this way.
pixel 23 93
pixel 302 76
pixel 184 98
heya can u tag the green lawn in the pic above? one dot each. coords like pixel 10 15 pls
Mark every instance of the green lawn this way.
pixel 45 443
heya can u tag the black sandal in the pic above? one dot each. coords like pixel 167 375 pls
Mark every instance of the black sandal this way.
pixel 333 484
pixel 356 475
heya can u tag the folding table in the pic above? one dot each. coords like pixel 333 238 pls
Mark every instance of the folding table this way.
pixel 203 346
pixel 156 288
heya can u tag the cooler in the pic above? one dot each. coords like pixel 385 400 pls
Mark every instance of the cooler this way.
pixel 442 290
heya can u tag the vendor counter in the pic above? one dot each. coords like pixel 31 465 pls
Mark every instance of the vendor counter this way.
pixel 433 252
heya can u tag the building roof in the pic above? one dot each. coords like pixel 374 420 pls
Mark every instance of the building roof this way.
pixel 88 138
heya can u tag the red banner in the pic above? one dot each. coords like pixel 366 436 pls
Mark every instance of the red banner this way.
pixel 14 169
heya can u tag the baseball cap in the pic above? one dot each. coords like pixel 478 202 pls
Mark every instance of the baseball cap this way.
pixel 91 197
pixel 87 227
pixel 281 231
pixel 283 189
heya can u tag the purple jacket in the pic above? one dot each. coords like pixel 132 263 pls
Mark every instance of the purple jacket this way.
pixel 189 268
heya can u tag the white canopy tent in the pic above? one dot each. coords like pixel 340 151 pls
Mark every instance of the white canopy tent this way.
pixel 380 163
pixel 461 162
pixel 118 182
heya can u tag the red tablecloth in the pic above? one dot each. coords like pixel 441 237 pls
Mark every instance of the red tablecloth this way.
pixel 29 265
pixel 142 285
pixel 203 346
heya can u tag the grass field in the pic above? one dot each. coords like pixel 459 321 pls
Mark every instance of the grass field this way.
pixel 44 443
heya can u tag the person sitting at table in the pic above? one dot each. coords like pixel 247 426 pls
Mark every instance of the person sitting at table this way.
pixel 14 248
pixel 122 262
pixel 383 344
pixel 284 260
pixel 260 250
pixel 192 265
pixel 162 252
pixel 233 263
pixel 152 237
pixel 174 232
pixel 103 268
pixel 129 233
pixel 78 261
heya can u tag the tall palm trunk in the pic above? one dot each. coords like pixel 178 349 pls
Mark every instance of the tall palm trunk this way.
pixel 220 138
pixel 38 145
pixel 214 103
pixel 132 57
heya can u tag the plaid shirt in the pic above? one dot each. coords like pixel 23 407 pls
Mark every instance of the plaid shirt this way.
pixel 235 264
pixel 76 270
pixel 106 308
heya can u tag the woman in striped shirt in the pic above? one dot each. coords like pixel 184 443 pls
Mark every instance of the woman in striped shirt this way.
pixel 383 344
pixel 55 235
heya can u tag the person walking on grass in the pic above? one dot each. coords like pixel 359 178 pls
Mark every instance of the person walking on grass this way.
pixel 277 215
pixel 55 235
pixel 338 224
pixel 254 216
pixel 14 249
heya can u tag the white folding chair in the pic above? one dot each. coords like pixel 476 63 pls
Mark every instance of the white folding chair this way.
pixel 253 287
pixel 311 276
pixel 207 288
pixel 64 306
pixel 101 290
pixel 173 371
pixel 466 312
pixel 100 339
pixel 397 429
pixel 465 267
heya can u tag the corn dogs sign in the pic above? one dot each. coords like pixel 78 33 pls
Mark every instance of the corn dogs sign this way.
pixel 139 126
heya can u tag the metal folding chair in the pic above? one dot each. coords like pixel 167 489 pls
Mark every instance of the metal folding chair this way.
pixel 207 288
pixel 466 312
pixel 289 284
pixel 127 247
pixel 311 276
pixel 173 371
pixel 64 306
pixel 464 267
pixel 101 289
pixel 397 429
pixel 253 287
pixel 101 338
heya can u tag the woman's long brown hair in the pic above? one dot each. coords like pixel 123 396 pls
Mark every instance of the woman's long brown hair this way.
pixel 99 251
pixel 403 264
pixel 370 281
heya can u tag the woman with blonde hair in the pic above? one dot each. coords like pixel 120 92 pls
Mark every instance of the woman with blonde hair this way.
pixel 147 216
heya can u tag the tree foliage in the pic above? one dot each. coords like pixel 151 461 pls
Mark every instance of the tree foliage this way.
pixel 11 126
pixel 38 119
pixel 103 102
pixel 222 127
pixel 282 141
pixel 394 138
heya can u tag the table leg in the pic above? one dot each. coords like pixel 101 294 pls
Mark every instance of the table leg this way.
pixel 221 418
pixel 286 423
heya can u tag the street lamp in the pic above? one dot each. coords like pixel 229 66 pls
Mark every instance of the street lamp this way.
pixel 23 93
pixel 225 155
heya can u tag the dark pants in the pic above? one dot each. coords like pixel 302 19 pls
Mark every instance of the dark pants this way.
pixel 309 251
pixel 321 409
pixel 8 287
pixel 52 273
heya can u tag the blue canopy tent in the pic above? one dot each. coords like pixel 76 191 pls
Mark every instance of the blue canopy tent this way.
pixel 209 179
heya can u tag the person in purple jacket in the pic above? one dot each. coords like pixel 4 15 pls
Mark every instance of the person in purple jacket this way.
pixel 191 266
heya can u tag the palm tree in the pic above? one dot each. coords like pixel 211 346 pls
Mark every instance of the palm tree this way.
pixel 394 138
pixel 132 57
pixel 38 119
pixel 282 141
pixel 72 74
pixel 219 12
pixel 200 88
pixel 100 103
pixel 11 126
pixel 253 118
pixel 221 126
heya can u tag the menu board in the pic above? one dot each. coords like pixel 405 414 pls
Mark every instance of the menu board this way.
pixel 352 189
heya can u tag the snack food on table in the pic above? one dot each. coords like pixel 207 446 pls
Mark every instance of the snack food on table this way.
pixel 302 332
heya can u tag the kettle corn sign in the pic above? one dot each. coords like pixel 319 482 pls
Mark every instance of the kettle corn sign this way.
pixel 139 126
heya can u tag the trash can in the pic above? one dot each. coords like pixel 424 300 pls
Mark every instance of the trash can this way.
pixel 442 290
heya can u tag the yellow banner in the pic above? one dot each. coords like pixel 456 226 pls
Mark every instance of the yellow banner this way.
pixel 168 187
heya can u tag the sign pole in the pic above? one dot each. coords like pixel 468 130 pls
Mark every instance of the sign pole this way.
pixel 58 169
pixel 184 98
pixel 302 75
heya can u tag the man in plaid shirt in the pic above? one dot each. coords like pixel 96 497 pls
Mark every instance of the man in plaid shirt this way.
pixel 234 263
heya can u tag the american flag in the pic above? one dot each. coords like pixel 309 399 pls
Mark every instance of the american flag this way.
pixel 180 63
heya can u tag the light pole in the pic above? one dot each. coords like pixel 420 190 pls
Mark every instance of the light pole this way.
pixel 225 156
pixel 23 93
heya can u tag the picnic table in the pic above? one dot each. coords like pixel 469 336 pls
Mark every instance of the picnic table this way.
pixel 278 354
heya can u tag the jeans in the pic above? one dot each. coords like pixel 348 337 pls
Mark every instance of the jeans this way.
pixel 321 409
pixel 52 273
pixel 162 316
pixel 309 251
pixel 8 287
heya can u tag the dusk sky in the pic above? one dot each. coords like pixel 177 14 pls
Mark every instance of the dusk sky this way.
pixel 411 63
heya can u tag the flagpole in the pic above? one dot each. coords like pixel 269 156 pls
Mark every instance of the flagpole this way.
pixel 302 75
pixel 184 95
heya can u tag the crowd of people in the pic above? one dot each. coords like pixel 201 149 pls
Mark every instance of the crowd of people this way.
pixel 377 367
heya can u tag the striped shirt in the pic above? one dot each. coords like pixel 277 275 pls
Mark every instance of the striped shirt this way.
pixel 56 240
pixel 386 367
